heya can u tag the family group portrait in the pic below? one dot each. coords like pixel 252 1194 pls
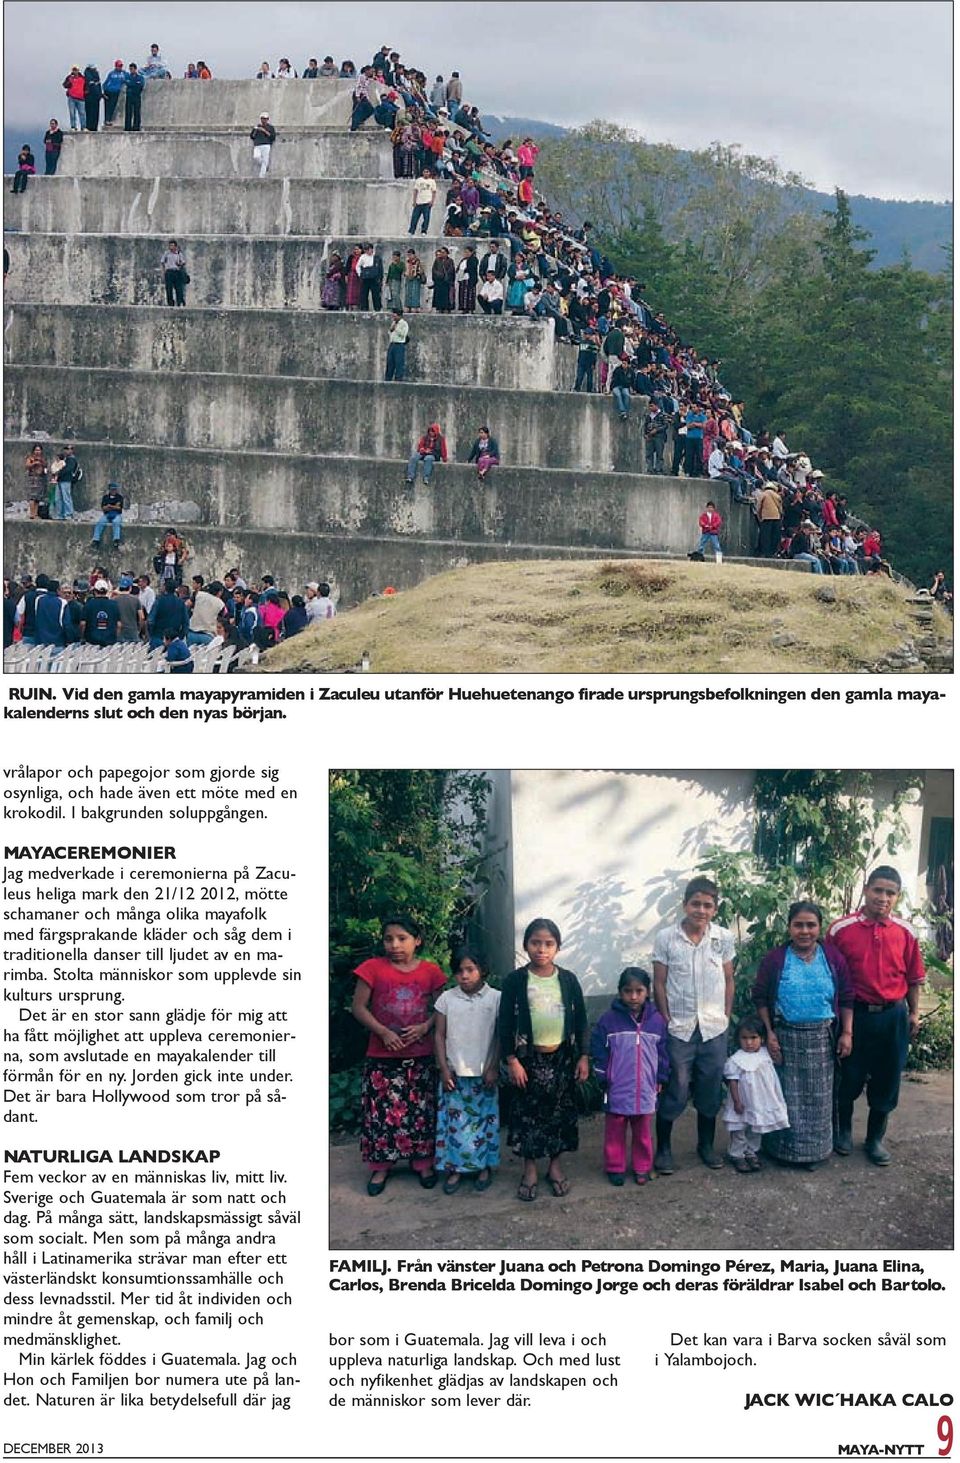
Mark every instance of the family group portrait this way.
pixel 617 1009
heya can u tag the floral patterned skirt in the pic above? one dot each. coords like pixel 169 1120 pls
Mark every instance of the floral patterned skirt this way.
pixel 468 1127
pixel 543 1115
pixel 398 1109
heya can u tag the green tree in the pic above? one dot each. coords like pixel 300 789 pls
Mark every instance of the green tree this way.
pixel 400 841
pixel 818 834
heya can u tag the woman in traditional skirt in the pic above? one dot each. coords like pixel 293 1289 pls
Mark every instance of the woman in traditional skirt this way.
pixel 394 999
pixel 413 281
pixel 353 279
pixel 468 1117
pixel 443 274
pixel 331 296
pixel 543 1035
pixel 804 997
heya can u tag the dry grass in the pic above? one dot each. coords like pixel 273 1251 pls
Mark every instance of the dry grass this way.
pixel 619 616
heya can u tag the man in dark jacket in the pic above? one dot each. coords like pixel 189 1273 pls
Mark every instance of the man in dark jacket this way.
pixel 50 612
pixel 111 516
pixel 135 85
pixel 169 613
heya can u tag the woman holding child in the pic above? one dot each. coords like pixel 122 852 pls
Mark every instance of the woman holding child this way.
pixel 804 997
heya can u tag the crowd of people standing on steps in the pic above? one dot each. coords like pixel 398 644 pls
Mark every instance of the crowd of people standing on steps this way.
pixel 517 258
pixel 834 1011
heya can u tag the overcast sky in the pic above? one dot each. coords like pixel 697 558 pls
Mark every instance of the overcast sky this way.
pixel 856 95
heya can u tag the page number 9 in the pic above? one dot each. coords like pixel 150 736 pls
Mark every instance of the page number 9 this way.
pixel 945 1434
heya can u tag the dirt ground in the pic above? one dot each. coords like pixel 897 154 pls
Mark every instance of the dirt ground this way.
pixel 846 1204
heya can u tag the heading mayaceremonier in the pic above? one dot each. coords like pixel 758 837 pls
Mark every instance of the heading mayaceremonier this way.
pixel 91 851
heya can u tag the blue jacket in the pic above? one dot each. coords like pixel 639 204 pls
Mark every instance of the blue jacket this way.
pixel 115 81
pixel 630 1058
pixel 50 612
pixel 135 82
pixel 169 613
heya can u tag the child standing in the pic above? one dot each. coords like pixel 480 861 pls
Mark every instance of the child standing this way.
pixel 629 1052
pixel 465 1038
pixel 393 999
pixel 543 1031
pixel 710 525
pixel 755 1102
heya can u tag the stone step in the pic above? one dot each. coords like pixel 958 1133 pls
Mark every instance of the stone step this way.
pixel 364 495
pixel 292 414
pixel 509 354
pixel 322 102
pixel 171 207
pixel 359 565
pixel 114 154
pixel 226 272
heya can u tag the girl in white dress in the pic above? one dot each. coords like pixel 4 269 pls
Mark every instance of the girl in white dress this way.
pixel 754 1104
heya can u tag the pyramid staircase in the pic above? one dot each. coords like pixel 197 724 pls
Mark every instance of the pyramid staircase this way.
pixel 258 423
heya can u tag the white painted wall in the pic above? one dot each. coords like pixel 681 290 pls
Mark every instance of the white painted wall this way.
pixel 605 855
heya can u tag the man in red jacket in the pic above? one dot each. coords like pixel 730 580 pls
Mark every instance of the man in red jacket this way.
pixel 887 968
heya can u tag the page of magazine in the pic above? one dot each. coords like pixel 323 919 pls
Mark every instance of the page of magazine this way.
pixel 478 792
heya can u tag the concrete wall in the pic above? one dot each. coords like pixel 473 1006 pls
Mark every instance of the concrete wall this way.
pixel 638 837
pixel 365 154
pixel 519 505
pixel 359 565
pixel 323 102
pixel 507 354
pixel 293 415
pixel 165 207
pixel 225 273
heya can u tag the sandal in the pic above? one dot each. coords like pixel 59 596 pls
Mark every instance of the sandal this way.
pixel 754 1162
pixel 482 1181
pixel 641 1178
pixel 377 1186
pixel 526 1193
pixel 451 1183
pixel 560 1187
pixel 742 1166
pixel 428 1180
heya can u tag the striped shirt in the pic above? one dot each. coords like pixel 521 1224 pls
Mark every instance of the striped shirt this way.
pixel 696 985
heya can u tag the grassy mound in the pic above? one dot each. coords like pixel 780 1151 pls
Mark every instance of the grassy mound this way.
pixel 618 616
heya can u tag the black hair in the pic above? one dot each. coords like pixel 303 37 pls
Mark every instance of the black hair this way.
pixel 751 1026
pixel 701 885
pixel 884 871
pixel 541 924
pixel 405 922
pixel 468 952
pixel 804 906
pixel 633 975
pixel 324 590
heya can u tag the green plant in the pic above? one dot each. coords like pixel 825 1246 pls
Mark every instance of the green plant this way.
pixel 818 833
pixel 932 1049
pixel 409 841
pixel 345 1100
